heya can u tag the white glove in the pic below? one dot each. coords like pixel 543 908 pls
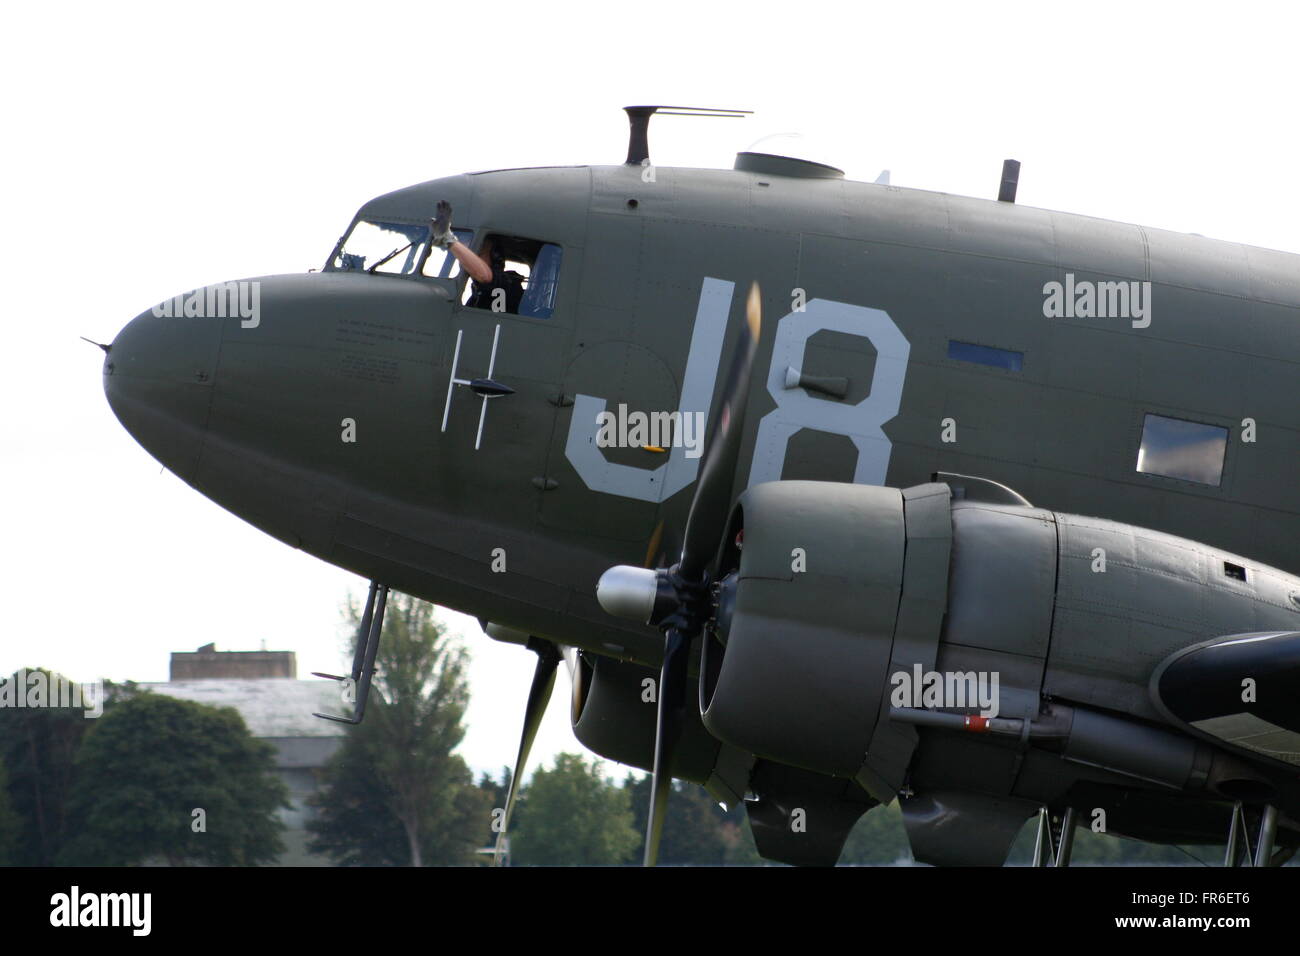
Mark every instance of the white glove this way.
pixel 441 234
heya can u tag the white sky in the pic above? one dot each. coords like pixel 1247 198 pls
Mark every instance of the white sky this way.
pixel 150 149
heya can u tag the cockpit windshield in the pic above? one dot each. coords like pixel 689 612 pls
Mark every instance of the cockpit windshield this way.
pixel 389 247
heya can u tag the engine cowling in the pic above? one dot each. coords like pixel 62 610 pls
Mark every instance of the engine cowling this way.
pixel 838 586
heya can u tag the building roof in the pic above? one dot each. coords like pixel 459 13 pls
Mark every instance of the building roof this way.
pixel 271 706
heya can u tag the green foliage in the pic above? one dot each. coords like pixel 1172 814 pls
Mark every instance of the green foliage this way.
pixel 878 838
pixel 356 825
pixel 394 793
pixel 572 815
pixel 10 823
pixel 741 849
pixel 38 746
pixel 1103 849
pixel 149 763
pixel 696 829
pixel 495 793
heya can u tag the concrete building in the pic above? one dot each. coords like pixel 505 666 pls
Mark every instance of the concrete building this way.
pixel 208 663
pixel 278 708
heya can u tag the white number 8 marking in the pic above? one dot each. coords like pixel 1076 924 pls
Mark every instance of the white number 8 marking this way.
pixel 797 410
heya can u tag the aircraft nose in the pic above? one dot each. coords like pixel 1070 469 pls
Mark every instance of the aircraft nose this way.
pixel 158 377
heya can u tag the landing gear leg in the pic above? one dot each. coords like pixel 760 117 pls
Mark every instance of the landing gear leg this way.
pixel 1267 834
pixel 1065 842
pixel 363 660
pixel 1043 852
pixel 1236 834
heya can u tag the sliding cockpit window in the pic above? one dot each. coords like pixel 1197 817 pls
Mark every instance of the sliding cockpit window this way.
pixel 392 248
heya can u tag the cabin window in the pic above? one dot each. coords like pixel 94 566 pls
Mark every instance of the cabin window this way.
pixel 986 355
pixel 392 248
pixel 1174 448
pixel 536 265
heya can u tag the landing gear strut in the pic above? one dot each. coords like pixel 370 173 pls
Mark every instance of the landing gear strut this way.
pixel 1239 852
pixel 1054 841
pixel 363 660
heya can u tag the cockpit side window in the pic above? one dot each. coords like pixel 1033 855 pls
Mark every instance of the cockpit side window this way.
pixel 531 265
pixel 442 264
pixel 391 248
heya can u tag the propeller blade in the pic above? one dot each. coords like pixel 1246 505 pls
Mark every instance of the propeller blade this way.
pixel 539 695
pixel 707 520
pixel 672 698
pixel 685 586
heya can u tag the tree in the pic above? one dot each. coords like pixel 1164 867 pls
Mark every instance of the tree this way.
pixel 741 848
pixel 163 778
pixel 695 827
pixel 394 793
pixel 38 745
pixel 1105 849
pixel 571 815
pixel 495 793
pixel 10 823
pixel 878 837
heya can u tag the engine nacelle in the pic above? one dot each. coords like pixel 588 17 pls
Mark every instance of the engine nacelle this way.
pixel 614 715
pixel 839 589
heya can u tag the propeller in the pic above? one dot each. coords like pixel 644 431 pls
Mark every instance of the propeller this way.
pixel 677 599
pixel 548 659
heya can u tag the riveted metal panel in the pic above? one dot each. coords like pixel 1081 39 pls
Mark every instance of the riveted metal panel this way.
pixel 921 609
pixel 1003 578
pixel 808 651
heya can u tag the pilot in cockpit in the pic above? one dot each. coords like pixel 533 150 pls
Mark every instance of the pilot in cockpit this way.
pixel 495 287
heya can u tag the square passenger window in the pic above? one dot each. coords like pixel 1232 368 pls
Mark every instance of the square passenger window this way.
pixel 1175 448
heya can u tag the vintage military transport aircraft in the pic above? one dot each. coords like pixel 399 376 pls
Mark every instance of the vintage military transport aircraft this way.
pixel 843 594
